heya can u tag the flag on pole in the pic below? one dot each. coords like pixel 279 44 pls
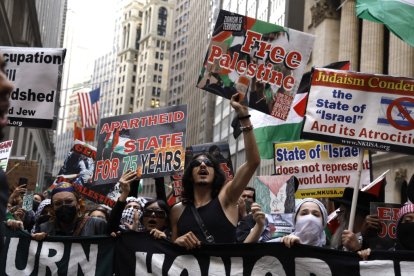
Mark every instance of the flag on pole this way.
pixel 268 129
pixel 376 188
pixel 83 134
pixel 396 15
pixel 89 107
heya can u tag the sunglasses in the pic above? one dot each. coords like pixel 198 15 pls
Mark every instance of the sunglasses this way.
pixel 157 213
pixel 197 162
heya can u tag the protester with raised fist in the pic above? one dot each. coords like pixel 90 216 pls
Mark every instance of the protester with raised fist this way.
pixel 208 212
pixel 126 208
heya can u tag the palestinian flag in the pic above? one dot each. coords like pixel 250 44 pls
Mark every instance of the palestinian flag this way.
pixel 268 129
pixel 116 141
pixel 396 15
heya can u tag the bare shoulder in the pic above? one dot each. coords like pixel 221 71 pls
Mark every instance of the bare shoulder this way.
pixel 177 210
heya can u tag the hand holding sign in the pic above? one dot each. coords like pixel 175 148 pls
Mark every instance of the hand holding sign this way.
pixel 240 109
pixel 125 184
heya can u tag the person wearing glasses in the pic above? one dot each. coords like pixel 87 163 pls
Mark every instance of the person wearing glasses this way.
pixel 208 212
pixel 155 219
pixel 67 218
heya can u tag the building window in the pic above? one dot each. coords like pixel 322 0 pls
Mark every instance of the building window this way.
pixel 162 21
pixel 152 102
pixel 154 78
pixel 157 54
pixel 158 91
pixel 160 68
pixel 156 66
pixel 159 79
pixel 135 68
pixel 161 56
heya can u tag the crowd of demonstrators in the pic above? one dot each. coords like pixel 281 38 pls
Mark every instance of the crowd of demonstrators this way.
pixel 68 219
pixel 211 210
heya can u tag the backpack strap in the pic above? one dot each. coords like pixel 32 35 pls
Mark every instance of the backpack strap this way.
pixel 80 227
pixel 199 220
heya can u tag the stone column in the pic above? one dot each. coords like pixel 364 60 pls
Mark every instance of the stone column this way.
pixel 372 47
pixel 401 58
pixel 348 38
pixel 325 26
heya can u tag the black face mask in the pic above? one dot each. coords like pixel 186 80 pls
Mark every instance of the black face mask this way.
pixel 405 235
pixel 43 219
pixel 66 213
pixel 35 205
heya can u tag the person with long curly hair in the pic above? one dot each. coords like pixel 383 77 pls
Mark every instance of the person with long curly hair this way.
pixel 208 212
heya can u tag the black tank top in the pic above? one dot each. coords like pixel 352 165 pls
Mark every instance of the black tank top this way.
pixel 214 219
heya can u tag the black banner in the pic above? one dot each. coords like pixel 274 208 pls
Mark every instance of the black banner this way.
pixel 55 255
pixel 140 254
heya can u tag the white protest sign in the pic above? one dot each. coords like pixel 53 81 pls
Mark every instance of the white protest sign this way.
pixel 362 110
pixel 36 74
pixel 322 169
pixel 5 150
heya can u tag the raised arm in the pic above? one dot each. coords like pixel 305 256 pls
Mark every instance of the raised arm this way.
pixel 232 191
pixel 116 214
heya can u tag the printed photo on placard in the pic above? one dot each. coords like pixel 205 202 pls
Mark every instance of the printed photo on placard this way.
pixel 262 61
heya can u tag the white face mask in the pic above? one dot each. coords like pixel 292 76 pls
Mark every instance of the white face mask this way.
pixel 310 230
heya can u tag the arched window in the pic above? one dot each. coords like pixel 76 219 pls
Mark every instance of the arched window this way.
pixel 128 32
pixel 138 37
pixel 124 38
pixel 162 21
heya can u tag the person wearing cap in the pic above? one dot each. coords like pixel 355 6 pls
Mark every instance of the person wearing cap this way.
pixel 67 219
pixel 43 214
pixel 405 228
pixel 344 238
pixel 309 220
